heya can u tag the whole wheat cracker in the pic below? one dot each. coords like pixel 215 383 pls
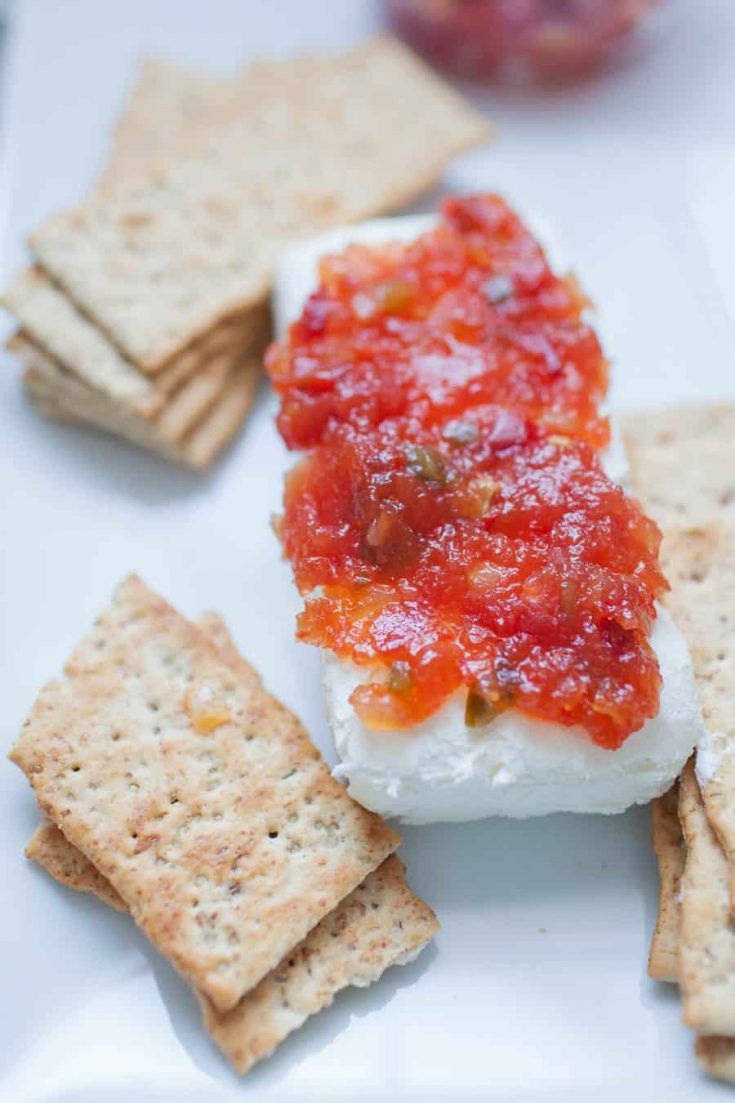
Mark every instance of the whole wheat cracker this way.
pixel 196 238
pixel 51 321
pixel 381 923
pixel 707 940
pixel 196 397
pixel 204 442
pixel 717 1057
pixel 71 402
pixel 201 799
pixel 683 463
pixel 165 102
pixel 668 844
pixel 208 439
pixel 700 564
pixel 171 106
pixel 49 848
pixel 684 466
pixel 182 411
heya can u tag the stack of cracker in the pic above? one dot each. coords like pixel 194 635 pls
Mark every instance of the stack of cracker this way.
pixel 176 788
pixel 145 313
pixel 684 467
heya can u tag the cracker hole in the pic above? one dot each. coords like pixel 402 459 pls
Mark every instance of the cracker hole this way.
pixel 272 834
pixel 76 769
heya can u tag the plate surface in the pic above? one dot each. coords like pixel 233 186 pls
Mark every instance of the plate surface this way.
pixel 535 990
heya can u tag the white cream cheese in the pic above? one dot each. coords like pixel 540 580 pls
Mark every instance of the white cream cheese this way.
pixel 517 766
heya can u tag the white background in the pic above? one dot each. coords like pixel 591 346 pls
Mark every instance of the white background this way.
pixel 536 990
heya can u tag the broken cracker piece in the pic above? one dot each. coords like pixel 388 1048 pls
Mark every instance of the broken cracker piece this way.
pixel 228 842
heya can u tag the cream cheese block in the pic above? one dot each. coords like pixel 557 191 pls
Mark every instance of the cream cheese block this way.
pixel 441 770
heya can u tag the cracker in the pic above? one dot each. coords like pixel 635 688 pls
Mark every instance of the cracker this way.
pixel 668 844
pixel 717 1057
pixel 700 564
pixel 165 103
pixel 50 848
pixel 215 629
pixel 65 399
pixel 381 923
pixel 683 463
pixel 201 799
pixel 707 940
pixel 57 327
pixel 71 401
pixel 196 238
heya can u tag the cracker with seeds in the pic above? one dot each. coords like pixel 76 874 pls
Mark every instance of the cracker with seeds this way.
pixel 381 923
pixel 707 940
pixel 51 321
pixel 50 848
pixel 700 565
pixel 200 798
pixel 683 463
pixel 66 399
pixel 195 238
pixel 668 844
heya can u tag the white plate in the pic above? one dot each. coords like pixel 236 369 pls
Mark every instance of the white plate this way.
pixel 536 988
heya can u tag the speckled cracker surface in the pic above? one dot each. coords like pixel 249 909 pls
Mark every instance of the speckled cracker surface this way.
pixel 57 395
pixel 683 463
pixel 200 798
pixel 195 238
pixel 700 564
pixel 382 923
pixel 668 844
pixel 707 940
pixel 50 848
pixel 684 466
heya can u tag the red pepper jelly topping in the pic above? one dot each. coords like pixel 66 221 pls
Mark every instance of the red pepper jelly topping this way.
pixel 451 525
